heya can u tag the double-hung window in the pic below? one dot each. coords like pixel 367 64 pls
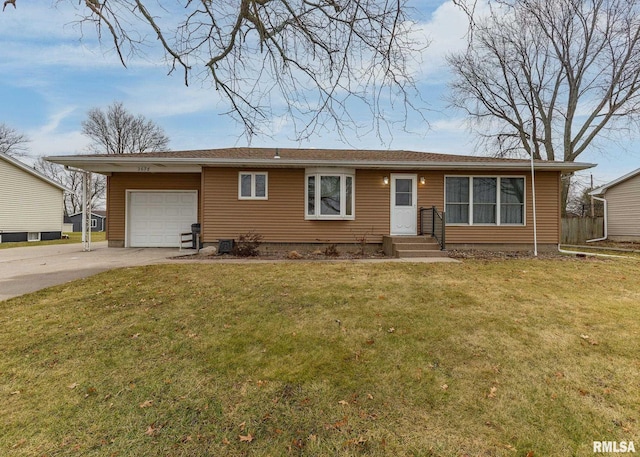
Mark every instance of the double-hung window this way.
pixel 484 200
pixel 329 194
pixel 252 186
pixel 512 201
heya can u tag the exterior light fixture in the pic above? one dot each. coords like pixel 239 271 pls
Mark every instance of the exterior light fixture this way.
pixel 385 180
pixel 423 180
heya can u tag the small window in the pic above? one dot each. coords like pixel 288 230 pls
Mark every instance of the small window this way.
pixel 33 236
pixel 94 223
pixel 252 186
pixel 329 195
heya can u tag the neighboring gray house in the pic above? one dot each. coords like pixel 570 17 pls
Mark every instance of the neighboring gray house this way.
pixel 98 221
pixel 622 207
pixel 31 205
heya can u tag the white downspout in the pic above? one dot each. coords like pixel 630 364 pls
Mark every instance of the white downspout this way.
pixel 535 221
pixel 603 200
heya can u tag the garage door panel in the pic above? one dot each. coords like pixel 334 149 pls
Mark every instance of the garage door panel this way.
pixel 173 211
pixel 173 227
pixel 156 219
pixel 188 211
pixel 158 198
pixel 171 199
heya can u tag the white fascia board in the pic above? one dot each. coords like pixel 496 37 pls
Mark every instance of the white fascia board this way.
pixel 193 164
pixel 601 190
pixel 102 165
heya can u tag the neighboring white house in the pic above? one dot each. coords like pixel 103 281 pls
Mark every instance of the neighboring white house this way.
pixel 622 197
pixel 31 205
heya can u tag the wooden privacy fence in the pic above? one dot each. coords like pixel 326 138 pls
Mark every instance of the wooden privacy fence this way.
pixel 577 230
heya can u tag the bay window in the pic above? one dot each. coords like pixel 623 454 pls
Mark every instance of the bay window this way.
pixel 484 200
pixel 329 194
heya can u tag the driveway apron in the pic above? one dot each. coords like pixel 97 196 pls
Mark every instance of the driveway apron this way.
pixel 28 269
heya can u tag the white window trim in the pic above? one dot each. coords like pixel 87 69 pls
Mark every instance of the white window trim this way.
pixel 94 223
pixel 343 173
pixel 498 222
pixel 253 185
pixel 32 238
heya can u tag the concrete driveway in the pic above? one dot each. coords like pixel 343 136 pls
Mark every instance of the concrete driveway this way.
pixel 28 269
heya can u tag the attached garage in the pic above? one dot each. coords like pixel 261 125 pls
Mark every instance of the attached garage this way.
pixel 156 218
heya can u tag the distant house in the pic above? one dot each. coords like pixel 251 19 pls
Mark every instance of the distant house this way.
pixel 31 205
pixel 316 197
pixel 98 221
pixel 622 207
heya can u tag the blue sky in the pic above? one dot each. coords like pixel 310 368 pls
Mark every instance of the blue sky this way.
pixel 52 73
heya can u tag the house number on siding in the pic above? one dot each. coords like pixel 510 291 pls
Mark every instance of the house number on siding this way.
pixel 144 168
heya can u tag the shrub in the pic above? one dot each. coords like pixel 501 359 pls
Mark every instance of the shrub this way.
pixel 247 245
pixel 331 251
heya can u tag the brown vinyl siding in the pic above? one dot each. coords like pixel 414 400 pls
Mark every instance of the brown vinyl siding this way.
pixel 281 218
pixel 119 183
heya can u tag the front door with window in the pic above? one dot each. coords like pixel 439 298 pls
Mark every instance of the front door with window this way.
pixel 404 204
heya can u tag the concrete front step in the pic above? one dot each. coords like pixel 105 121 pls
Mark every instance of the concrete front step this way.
pixel 426 246
pixel 410 239
pixel 412 247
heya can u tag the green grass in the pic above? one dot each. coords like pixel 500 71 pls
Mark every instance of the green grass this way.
pixel 483 358
pixel 74 237
pixel 603 251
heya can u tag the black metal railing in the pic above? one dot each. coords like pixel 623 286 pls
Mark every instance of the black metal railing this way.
pixel 432 222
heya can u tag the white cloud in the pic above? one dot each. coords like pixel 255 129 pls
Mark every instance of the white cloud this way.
pixel 39 34
pixel 52 143
pixel 450 125
pixel 166 97
pixel 52 138
pixel 445 33
pixel 55 120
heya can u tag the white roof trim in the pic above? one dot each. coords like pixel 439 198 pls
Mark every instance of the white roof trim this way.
pixel 31 171
pixel 601 190
pixel 107 164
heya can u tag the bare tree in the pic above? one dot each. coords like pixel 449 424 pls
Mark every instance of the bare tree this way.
pixel 73 181
pixel 12 142
pixel 116 131
pixel 549 77
pixel 313 61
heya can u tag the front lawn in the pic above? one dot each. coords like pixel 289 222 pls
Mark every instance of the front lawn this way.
pixel 484 358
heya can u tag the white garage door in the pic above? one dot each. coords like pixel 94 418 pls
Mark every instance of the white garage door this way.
pixel 156 219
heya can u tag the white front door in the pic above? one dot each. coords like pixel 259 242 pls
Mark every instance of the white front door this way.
pixel 404 204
